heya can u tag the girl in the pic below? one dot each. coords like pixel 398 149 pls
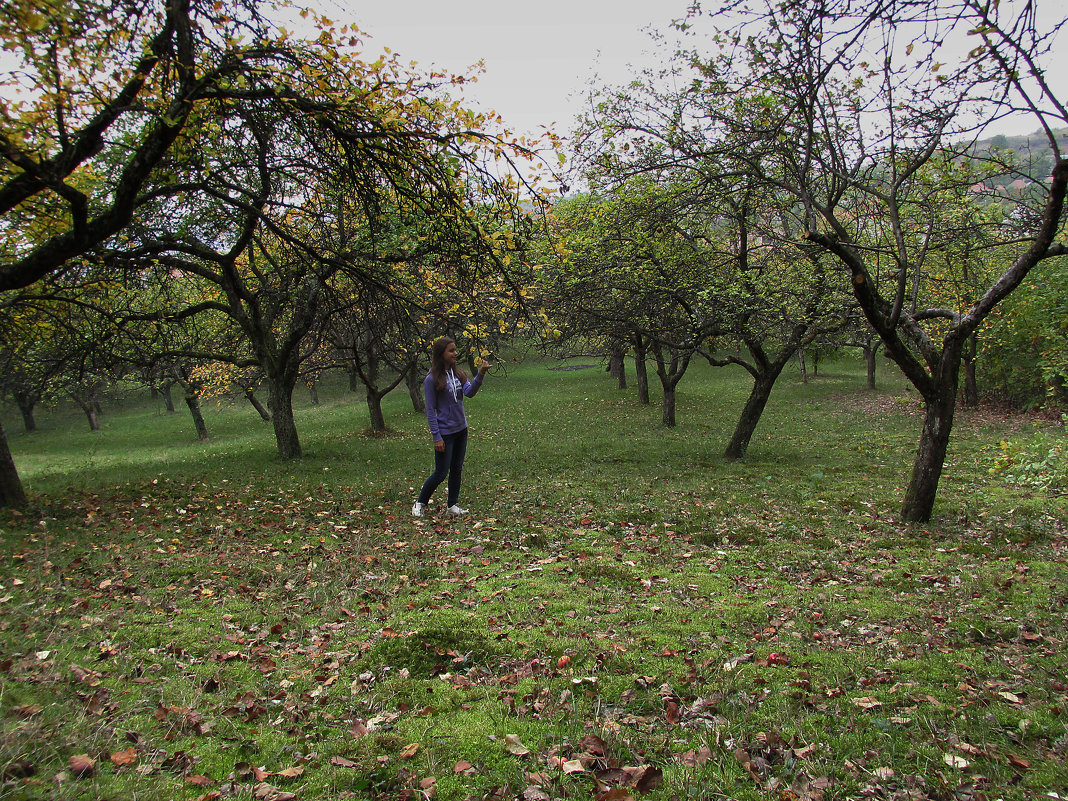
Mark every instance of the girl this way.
pixel 444 388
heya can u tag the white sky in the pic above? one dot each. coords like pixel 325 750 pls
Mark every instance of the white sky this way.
pixel 539 57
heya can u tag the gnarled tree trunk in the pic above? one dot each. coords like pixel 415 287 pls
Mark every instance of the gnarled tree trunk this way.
pixel 12 495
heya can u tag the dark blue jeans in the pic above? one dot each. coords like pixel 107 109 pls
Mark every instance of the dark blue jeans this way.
pixel 448 463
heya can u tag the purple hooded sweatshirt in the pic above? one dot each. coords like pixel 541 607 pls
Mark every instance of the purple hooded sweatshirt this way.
pixel 445 409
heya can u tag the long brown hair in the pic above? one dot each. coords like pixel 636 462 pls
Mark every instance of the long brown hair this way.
pixel 437 363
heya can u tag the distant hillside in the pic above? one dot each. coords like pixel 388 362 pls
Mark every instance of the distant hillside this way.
pixel 1030 156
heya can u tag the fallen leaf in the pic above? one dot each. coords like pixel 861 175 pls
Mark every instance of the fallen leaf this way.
pixel 955 761
pixel 291 773
pixel 462 766
pixel 1019 762
pixel 409 751
pixel 651 777
pixel 573 766
pixel 127 757
pixel 867 702
pixel 81 765
pixel 269 793
pixel 341 762
pixel 514 746
pixel 671 713
pixel 694 758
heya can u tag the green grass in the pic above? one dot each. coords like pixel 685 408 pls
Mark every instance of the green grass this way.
pixel 622 608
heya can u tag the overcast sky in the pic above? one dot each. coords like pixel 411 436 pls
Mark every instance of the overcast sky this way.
pixel 539 57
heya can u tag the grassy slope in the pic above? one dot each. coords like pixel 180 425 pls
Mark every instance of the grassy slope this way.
pixel 622 609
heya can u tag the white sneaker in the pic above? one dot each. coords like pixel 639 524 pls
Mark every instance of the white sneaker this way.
pixel 418 509
pixel 456 510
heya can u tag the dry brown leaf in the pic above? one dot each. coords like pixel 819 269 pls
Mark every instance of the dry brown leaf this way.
pixel 409 751
pixel 955 761
pixel 81 765
pixel 867 702
pixel 268 793
pixel 127 757
pixel 514 745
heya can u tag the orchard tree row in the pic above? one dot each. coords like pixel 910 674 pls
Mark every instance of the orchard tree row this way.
pixel 803 167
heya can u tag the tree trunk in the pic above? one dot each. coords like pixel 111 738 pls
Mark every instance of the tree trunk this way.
pixel 192 400
pixel 251 395
pixel 670 371
pixel 616 365
pixel 285 427
pixel 313 389
pixel 12 495
pixel 374 409
pixel 415 389
pixel 26 404
pixel 804 367
pixel 971 388
pixel 90 412
pixel 869 360
pixel 747 422
pixel 641 374
pixel 668 406
pixel 934 440
pixel 168 399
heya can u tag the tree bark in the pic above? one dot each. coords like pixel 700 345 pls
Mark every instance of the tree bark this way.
pixel 415 390
pixel 670 371
pixel 804 367
pixel 192 400
pixel 616 365
pixel 251 395
pixel 285 427
pixel 26 404
pixel 374 409
pixel 971 388
pixel 168 399
pixel 313 390
pixel 12 495
pixel 90 413
pixel 641 374
pixel 668 407
pixel 920 494
pixel 869 360
pixel 750 417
